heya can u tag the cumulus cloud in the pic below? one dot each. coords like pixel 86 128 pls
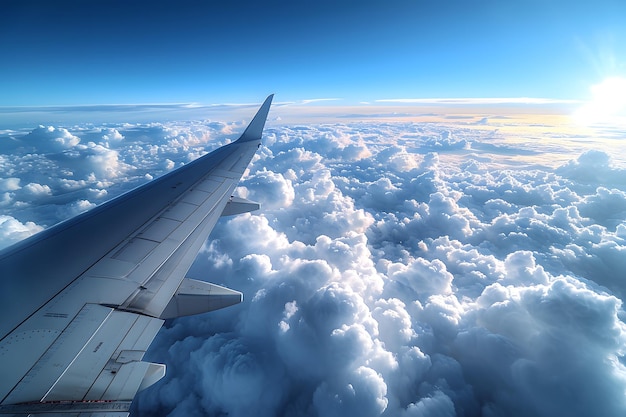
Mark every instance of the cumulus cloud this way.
pixel 47 172
pixel 36 189
pixel 51 139
pixel 9 184
pixel 111 136
pixel 12 230
pixel 592 167
pixel 395 269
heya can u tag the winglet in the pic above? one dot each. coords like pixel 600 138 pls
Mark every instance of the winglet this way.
pixel 255 128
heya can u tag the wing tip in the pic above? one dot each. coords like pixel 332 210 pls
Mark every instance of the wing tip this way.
pixel 255 128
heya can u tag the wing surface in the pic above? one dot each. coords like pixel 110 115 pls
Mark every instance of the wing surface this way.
pixel 82 301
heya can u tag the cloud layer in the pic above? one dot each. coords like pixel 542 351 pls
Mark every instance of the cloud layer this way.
pixel 395 269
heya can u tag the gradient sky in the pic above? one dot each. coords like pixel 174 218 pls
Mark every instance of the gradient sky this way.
pixel 101 52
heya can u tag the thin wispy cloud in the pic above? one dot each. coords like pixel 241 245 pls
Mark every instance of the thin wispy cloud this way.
pixel 307 101
pixel 474 101
pixel 317 100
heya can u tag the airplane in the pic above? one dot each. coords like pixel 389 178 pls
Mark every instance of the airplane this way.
pixel 82 300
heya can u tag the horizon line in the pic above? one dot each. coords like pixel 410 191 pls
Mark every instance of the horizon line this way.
pixel 317 101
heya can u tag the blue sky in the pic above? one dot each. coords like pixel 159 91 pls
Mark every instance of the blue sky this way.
pixel 101 52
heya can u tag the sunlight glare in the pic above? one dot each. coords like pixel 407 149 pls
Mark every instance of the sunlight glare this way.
pixel 607 105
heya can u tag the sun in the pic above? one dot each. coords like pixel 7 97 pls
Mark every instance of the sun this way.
pixel 607 104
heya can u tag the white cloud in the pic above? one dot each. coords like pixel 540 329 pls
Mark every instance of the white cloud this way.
pixel 9 184
pixel 439 404
pixel 473 101
pixel 271 189
pixel 37 189
pixel 315 100
pixel 12 230
pixel 363 394
pixel 395 269
pixel 111 136
pixel 51 139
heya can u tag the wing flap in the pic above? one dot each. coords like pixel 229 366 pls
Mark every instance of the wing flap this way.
pixel 48 368
pixel 107 366
pixel 80 373
pixel 130 379
pixel 24 348
pixel 130 350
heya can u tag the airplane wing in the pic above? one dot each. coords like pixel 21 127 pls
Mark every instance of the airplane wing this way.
pixel 81 301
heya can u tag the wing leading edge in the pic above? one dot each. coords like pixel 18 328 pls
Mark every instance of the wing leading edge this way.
pixel 82 301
